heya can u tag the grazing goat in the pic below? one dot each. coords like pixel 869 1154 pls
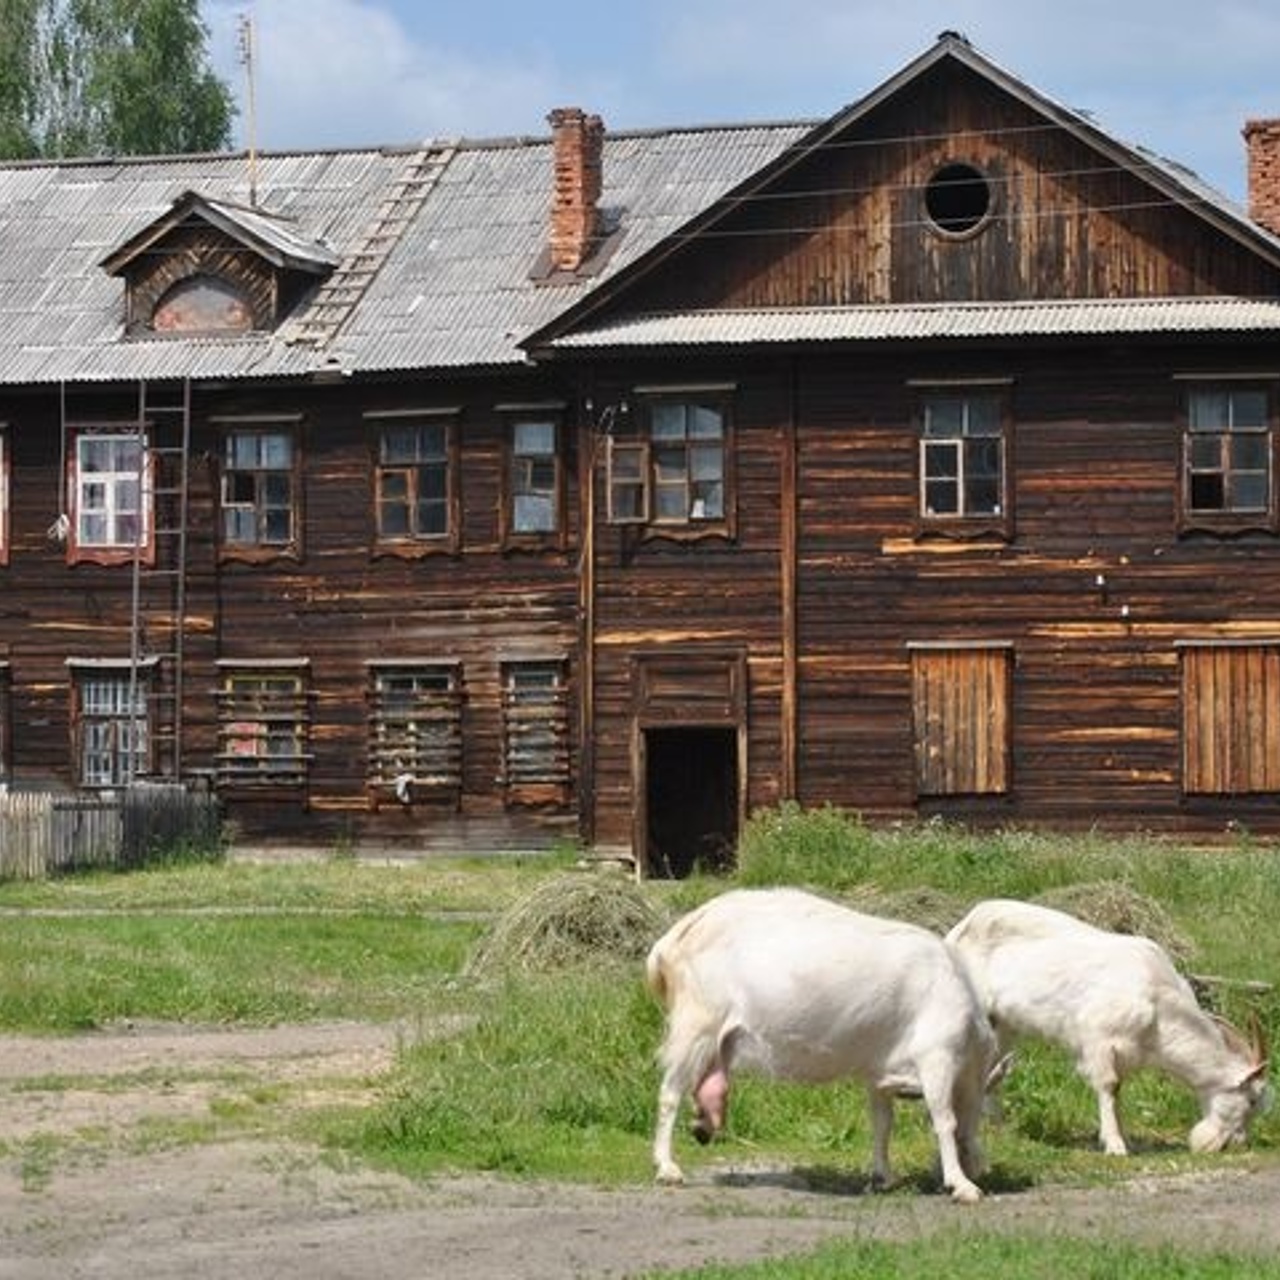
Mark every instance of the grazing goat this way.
pixel 1118 1004
pixel 788 984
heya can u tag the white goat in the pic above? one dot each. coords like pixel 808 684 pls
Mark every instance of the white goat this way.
pixel 791 985
pixel 1118 1004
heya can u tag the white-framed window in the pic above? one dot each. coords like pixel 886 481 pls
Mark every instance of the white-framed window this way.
pixel 111 726
pixel 109 495
pixel 263 724
pixel 415 729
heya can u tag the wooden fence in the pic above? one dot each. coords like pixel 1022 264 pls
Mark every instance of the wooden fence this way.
pixel 43 833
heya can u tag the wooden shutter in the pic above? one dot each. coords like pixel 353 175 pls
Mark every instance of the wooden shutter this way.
pixel 962 721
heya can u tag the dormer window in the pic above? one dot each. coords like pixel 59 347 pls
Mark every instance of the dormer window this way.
pixel 207 268
pixel 203 304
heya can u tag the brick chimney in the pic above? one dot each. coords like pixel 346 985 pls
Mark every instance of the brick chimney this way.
pixel 1262 140
pixel 578 144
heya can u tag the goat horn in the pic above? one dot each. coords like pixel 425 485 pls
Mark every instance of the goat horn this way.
pixel 1259 1041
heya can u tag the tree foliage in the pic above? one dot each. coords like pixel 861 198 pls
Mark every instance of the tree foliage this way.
pixel 108 77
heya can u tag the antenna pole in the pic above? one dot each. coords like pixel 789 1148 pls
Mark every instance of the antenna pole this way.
pixel 251 112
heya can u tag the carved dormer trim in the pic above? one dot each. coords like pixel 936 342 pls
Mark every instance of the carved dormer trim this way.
pixel 208 268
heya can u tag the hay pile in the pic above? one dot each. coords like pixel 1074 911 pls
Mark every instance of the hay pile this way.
pixel 1113 905
pixel 574 919
pixel 922 905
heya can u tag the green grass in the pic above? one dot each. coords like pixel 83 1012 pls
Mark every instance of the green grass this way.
pixel 60 974
pixel 555 1077
pixel 965 1256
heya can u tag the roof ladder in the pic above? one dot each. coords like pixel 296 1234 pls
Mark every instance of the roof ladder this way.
pixel 159 603
pixel 337 296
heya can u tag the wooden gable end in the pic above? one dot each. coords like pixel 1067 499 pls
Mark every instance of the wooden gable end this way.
pixel 851 223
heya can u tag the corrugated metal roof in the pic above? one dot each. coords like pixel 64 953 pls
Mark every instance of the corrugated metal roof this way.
pixel 1088 318
pixel 457 289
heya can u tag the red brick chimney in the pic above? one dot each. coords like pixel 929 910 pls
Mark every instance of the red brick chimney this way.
pixel 578 144
pixel 1262 140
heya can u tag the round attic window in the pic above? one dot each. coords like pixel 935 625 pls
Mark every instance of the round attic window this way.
pixel 957 199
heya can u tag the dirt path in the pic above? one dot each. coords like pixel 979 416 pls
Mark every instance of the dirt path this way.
pixel 93 1185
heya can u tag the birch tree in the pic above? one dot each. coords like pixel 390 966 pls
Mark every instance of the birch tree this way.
pixel 108 77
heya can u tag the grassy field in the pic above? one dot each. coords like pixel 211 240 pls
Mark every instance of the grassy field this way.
pixel 553 1076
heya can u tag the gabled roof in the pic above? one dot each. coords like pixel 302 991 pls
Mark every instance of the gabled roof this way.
pixel 272 238
pixel 1172 182
pixel 454 287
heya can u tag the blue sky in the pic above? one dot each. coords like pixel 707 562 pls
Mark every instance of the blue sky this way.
pixel 1178 76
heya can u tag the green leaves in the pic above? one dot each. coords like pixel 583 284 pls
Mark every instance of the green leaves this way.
pixel 108 77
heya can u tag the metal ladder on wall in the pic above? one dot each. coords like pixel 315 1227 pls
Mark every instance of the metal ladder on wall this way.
pixel 159 586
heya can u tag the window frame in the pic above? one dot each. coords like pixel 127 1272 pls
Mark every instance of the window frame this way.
pixel 115 551
pixel 414 543
pixel 515 417
pixel 1227 519
pixel 6 723
pixel 536 710
pixel 964 523
pixel 6 482
pixel 634 463
pixel 389 775
pixel 286 428
pixel 1229 717
pixel 261 703
pixel 962 719
pixel 126 763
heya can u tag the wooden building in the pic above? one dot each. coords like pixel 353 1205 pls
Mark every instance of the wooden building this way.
pixel 607 486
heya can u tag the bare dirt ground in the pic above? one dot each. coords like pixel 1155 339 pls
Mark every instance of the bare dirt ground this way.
pixel 95 1182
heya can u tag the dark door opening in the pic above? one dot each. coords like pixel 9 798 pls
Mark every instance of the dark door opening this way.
pixel 691 800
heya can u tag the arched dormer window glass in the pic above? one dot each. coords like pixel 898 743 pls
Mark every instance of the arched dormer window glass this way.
pixel 203 304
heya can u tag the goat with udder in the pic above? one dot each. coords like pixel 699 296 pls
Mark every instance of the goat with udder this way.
pixel 791 985
pixel 1117 1003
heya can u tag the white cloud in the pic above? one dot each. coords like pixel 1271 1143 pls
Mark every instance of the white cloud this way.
pixel 348 73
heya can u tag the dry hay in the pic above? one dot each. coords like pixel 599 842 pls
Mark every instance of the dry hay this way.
pixel 1113 905
pixel 571 920
pixel 922 905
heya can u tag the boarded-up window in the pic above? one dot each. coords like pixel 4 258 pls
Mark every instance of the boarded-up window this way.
pixel 1231 719
pixel 962 720
pixel 535 723
pixel 415 730
pixel 262 727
